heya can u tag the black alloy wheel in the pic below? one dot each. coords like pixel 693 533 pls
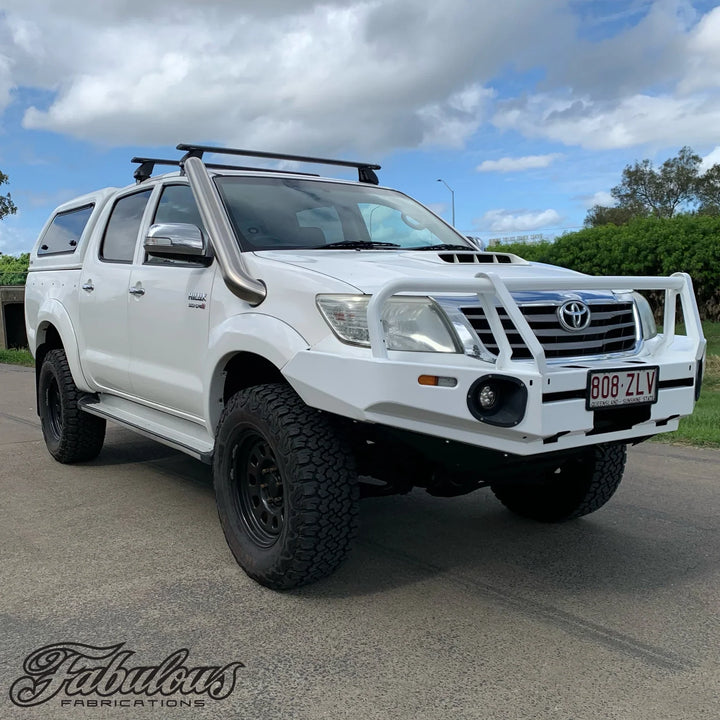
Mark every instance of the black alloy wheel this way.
pixel 260 489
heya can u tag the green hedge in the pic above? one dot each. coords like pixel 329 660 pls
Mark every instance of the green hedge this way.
pixel 13 270
pixel 646 246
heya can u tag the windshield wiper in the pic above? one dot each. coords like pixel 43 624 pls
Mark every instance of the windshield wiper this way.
pixel 356 245
pixel 444 246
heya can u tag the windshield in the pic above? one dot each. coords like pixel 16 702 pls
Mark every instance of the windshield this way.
pixel 289 213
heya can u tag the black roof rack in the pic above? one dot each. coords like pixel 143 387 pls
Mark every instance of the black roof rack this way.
pixel 147 167
pixel 366 171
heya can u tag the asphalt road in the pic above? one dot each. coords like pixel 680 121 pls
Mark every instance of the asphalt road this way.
pixel 448 608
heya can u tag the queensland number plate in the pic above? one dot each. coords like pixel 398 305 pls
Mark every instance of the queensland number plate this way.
pixel 614 388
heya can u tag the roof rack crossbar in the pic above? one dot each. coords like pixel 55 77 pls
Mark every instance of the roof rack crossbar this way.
pixel 366 171
pixel 147 167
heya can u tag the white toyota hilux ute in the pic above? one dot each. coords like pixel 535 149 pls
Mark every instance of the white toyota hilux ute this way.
pixel 317 339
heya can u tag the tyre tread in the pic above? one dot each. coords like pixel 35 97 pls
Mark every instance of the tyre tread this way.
pixel 83 434
pixel 607 473
pixel 323 486
pixel 574 495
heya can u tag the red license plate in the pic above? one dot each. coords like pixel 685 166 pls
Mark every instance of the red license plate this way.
pixel 615 388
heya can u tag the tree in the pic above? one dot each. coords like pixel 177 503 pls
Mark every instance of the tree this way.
pixel 662 192
pixel 13 270
pixel 7 207
pixel 600 215
pixel 708 192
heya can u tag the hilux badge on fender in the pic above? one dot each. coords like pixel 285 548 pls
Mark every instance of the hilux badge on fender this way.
pixel 574 315
pixel 197 300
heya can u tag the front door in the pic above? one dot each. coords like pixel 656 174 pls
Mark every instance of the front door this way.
pixel 168 318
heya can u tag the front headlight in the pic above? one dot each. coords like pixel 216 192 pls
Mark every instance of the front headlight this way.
pixel 415 324
pixel 647 320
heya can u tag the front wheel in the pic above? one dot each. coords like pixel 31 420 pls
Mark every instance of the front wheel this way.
pixel 286 487
pixel 71 435
pixel 578 486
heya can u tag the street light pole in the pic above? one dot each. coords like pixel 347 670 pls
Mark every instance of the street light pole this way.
pixel 452 194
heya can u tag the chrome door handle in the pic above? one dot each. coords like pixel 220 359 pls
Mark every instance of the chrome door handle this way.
pixel 136 291
pixel 88 286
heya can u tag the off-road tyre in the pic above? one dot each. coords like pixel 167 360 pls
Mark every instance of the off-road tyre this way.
pixel 286 487
pixel 577 487
pixel 71 435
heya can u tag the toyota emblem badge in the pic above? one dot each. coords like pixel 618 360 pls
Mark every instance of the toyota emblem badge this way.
pixel 574 315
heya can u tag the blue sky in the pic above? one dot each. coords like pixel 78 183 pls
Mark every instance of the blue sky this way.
pixel 529 110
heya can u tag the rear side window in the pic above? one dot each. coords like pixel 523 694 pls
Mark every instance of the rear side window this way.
pixel 65 231
pixel 122 230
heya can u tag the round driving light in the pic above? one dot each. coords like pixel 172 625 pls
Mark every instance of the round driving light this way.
pixel 487 397
pixel 499 400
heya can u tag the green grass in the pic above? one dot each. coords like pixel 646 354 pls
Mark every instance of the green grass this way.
pixel 702 428
pixel 711 330
pixel 17 357
pixel 712 335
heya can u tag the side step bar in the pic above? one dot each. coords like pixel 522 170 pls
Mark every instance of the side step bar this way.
pixel 175 432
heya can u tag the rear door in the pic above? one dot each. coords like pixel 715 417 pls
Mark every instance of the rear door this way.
pixel 104 295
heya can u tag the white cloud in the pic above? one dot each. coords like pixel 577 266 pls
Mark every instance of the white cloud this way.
pixel 601 197
pixel 712 158
pixel 518 164
pixel 371 75
pixel 501 220
pixel 25 34
pixel 451 123
pixel 605 125
pixel 648 51
pixel 6 82
pixel 350 74
pixel 653 83
pixel 14 238
pixel 703 59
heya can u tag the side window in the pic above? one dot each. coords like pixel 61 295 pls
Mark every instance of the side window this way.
pixel 65 231
pixel 121 233
pixel 177 205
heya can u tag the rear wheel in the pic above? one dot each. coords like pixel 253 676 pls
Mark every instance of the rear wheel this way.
pixel 576 487
pixel 71 435
pixel 286 487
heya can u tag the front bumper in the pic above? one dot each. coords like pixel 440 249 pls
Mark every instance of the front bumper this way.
pixel 555 419
pixel 382 386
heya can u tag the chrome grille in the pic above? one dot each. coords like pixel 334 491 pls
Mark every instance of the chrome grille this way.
pixel 611 330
